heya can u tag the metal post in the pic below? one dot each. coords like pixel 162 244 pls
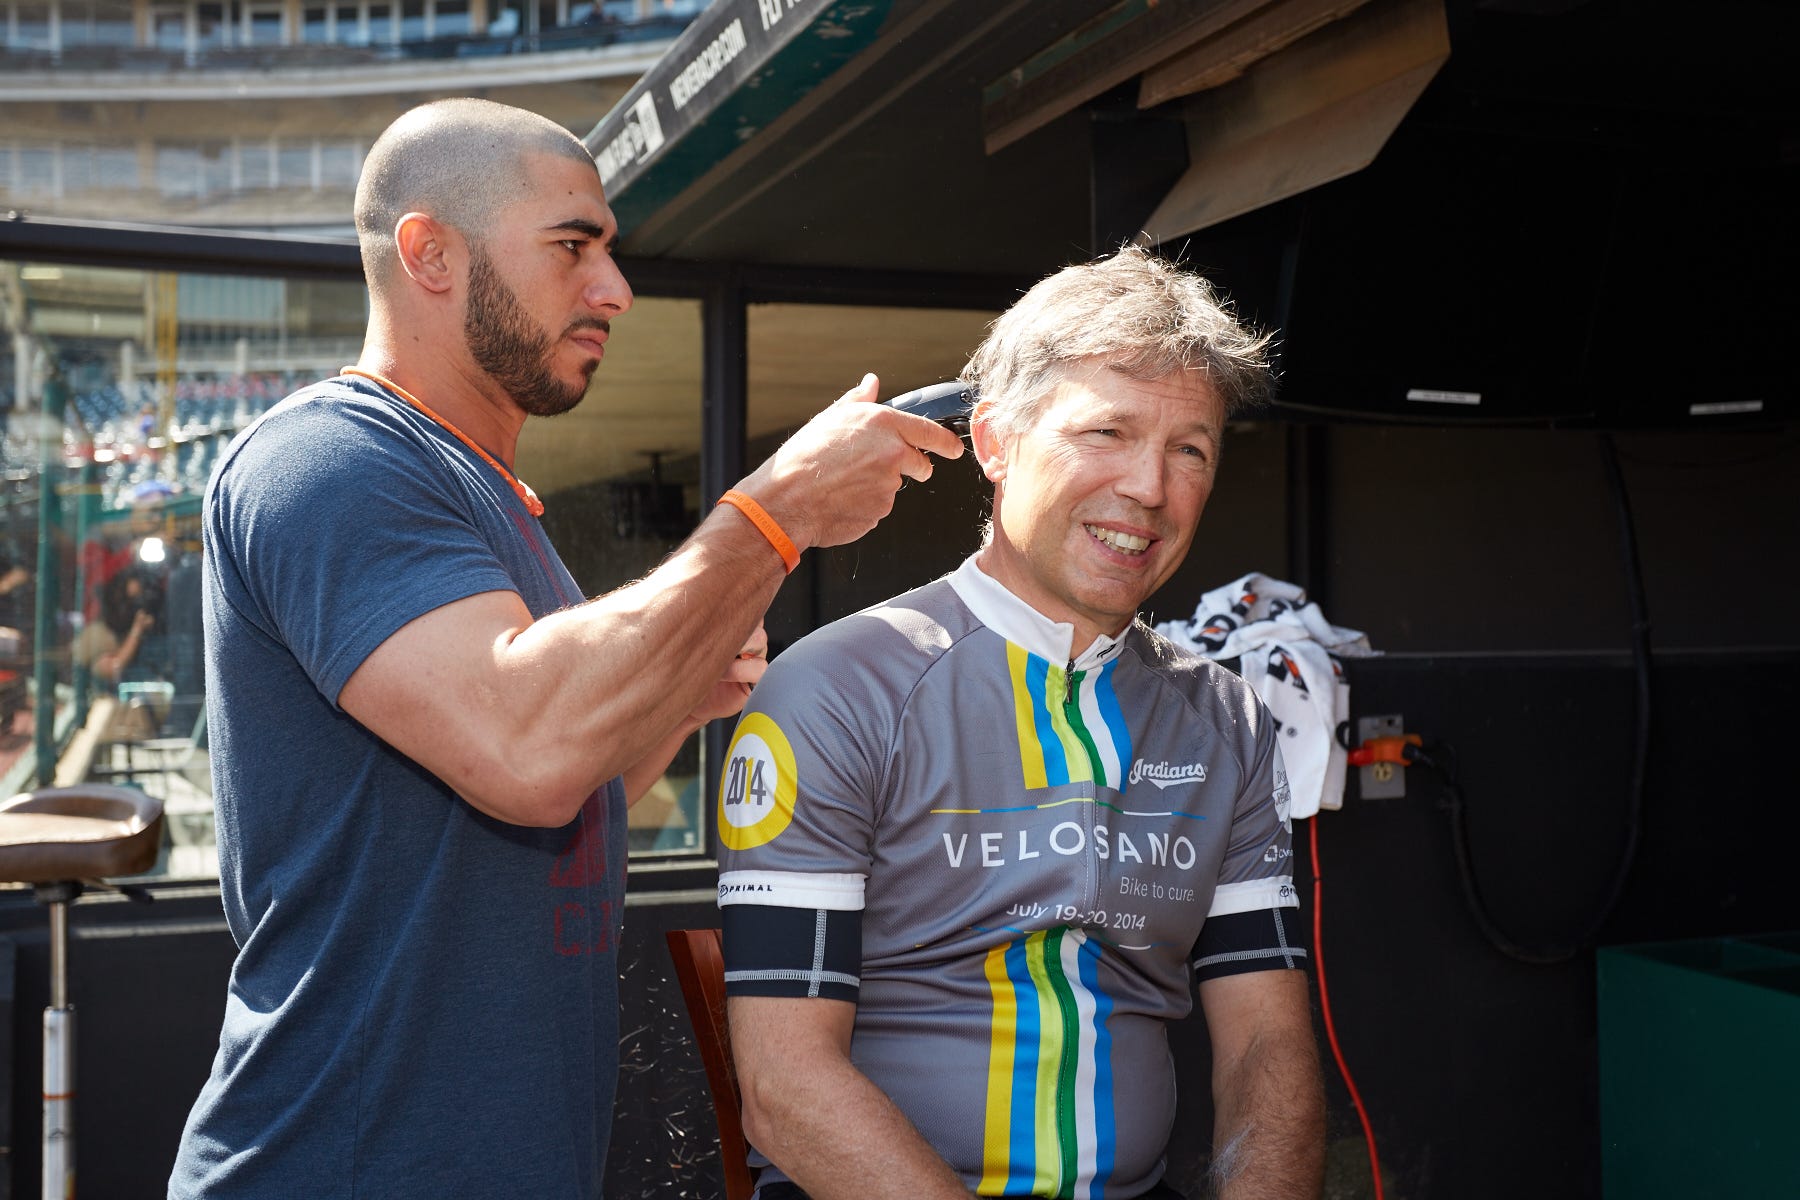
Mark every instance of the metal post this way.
pixel 50 423
pixel 59 953
pixel 59 1056
pixel 724 327
pixel 87 509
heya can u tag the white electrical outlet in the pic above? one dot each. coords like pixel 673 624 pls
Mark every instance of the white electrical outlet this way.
pixel 1381 781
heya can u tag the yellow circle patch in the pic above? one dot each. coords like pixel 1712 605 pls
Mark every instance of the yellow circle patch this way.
pixel 758 785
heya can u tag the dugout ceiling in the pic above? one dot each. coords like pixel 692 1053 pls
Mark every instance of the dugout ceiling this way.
pixel 1529 191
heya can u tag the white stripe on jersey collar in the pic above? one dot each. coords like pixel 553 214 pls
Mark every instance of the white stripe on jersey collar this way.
pixel 1016 621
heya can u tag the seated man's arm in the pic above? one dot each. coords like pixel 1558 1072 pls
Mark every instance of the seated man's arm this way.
pixel 805 777
pixel 816 1116
pixel 1268 1097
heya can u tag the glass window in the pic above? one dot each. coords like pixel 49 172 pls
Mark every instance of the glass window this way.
pixel 77 169
pixel 115 168
pixel 294 165
pixel 214 26
pixel 384 23
pixel 413 21
pixel 215 169
pixel 30 27
pixel 802 357
pixel 504 22
pixel 168 28
pixel 620 480
pixel 36 172
pixel 263 25
pixel 158 373
pixel 178 171
pixel 97 23
pixel 317 25
pixel 352 26
pixel 98 168
pixel 338 162
pixel 153 374
pixel 452 19
pixel 256 166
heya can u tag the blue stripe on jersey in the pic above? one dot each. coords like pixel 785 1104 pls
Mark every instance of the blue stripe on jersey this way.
pixel 1115 721
pixel 1022 1175
pixel 1037 682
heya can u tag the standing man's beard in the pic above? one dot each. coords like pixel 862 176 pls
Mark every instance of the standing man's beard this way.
pixel 504 344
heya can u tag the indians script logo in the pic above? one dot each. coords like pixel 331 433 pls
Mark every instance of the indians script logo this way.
pixel 1165 775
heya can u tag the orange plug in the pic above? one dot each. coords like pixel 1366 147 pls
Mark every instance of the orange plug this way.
pixel 1384 749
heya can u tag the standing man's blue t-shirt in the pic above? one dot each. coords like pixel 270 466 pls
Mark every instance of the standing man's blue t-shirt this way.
pixel 425 999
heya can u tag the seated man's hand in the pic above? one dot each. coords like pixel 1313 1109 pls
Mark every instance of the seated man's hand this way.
pixel 729 694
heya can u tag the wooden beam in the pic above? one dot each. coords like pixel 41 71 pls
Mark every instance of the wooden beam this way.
pixel 1120 43
pixel 1317 111
pixel 1229 53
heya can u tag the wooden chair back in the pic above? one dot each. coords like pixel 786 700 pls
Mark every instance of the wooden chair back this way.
pixel 700 969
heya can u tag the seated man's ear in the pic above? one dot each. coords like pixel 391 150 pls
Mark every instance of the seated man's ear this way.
pixel 989 444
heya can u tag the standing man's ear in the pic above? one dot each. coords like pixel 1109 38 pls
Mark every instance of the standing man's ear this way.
pixel 989 445
pixel 422 244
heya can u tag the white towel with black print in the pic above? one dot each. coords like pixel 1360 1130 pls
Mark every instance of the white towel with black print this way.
pixel 1289 654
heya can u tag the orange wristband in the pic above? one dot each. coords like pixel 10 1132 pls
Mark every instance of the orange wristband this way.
pixel 765 524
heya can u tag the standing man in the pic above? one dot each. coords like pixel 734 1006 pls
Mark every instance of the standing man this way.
pixel 982 839
pixel 423 741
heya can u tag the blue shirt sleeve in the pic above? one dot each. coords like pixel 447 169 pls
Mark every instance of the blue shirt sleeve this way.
pixel 331 554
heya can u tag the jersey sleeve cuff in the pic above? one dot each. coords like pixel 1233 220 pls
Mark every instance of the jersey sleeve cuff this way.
pixel 1277 891
pixel 792 889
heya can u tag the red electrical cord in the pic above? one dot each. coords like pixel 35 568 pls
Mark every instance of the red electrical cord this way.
pixel 1325 1008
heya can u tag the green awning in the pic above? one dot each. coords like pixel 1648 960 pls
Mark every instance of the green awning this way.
pixel 736 69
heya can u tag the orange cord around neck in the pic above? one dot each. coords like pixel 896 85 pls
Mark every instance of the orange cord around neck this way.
pixel 526 496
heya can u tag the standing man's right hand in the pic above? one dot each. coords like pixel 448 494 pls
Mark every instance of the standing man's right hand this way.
pixel 835 478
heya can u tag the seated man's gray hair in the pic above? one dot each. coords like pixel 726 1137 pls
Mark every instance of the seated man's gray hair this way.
pixel 1133 311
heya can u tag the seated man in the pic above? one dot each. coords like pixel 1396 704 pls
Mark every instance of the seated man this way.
pixel 979 840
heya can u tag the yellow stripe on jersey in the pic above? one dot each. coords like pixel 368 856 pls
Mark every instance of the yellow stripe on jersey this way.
pixel 1031 751
pixel 996 1147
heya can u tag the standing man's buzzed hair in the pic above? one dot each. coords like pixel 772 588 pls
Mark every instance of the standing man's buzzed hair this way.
pixel 456 160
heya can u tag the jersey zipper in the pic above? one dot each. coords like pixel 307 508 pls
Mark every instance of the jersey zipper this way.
pixel 1072 714
pixel 1067 1067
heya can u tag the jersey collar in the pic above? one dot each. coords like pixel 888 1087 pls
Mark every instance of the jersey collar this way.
pixel 1019 623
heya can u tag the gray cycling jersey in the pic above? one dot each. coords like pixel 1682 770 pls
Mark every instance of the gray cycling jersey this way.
pixel 1033 845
